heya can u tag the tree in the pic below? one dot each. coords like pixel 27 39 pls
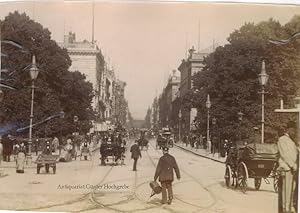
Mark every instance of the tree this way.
pixel 147 123
pixel 56 88
pixel 230 76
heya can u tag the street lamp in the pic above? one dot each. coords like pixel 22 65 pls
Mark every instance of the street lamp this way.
pixel 34 71
pixel 208 105
pixel 240 117
pixel 263 79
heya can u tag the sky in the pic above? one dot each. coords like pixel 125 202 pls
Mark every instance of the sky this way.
pixel 145 41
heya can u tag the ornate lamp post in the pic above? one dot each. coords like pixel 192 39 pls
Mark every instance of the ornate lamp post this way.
pixel 240 117
pixel 208 105
pixel 34 71
pixel 263 79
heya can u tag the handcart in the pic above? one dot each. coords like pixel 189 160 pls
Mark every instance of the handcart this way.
pixel 46 161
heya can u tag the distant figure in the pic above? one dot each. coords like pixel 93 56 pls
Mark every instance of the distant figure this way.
pixel 135 153
pixel 164 171
pixel 255 137
pixel 21 156
pixel 55 144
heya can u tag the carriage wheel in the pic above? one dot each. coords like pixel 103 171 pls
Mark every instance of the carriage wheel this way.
pixel 242 177
pixel 228 176
pixel 257 183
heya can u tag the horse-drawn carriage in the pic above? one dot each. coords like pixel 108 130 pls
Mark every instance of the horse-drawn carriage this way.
pixel 258 161
pixel 113 150
pixel 164 139
pixel 142 141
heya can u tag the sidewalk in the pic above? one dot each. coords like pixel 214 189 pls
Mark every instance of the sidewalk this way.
pixel 201 152
pixel 12 163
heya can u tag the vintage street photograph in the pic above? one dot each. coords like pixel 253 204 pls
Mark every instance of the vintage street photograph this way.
pixel 149 106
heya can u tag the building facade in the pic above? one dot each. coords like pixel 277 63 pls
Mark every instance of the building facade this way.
pixel 188 67
pixel 87 58
pixel 168 96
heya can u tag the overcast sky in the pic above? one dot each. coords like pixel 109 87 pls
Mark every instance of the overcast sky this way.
pixel 144 42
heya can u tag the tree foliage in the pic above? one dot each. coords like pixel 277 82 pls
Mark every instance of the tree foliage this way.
pixel 147 123
pixel 230 76
pixel 56 89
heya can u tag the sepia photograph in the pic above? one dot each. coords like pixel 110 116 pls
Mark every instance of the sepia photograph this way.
pixel 149 106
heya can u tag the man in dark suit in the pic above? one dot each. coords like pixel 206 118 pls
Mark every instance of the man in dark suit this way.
pixel 135 154
pixel 164 171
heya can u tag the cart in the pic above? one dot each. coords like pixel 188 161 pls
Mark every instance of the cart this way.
pixel 258 161
pixel 46 161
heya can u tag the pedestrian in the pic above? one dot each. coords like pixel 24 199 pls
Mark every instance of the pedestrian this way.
pixel 288 158
pixel 255 136
pixel 55 144
pixel 164 171
pixel 21 157
pixel 135 153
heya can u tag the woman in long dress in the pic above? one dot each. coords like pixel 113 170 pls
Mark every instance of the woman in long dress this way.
pixel 21 156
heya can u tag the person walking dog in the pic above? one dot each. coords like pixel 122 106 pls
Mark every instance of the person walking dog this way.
pixel 164 171
pixel 135 154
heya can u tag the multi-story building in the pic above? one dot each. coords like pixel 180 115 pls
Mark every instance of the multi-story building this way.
pixel 166 110
pixel 86 58
pixel 188 67
pixel 120 103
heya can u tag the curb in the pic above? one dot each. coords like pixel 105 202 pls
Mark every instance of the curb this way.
pixel 196 153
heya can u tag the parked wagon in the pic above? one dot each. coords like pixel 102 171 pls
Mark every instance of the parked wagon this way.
pixel 258 161
pixel 48 161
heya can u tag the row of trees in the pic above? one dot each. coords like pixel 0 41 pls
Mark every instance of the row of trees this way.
pixel 230 76
pixel 57 89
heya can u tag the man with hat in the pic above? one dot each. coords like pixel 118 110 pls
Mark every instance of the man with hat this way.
pixel 255 136
pixel 288 158
pixel 164 171
pixel 135 153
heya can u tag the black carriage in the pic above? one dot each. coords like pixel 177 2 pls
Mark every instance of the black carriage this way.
pixel 143 143
pixel 164 140
pixel 112 151
pixel 258 161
